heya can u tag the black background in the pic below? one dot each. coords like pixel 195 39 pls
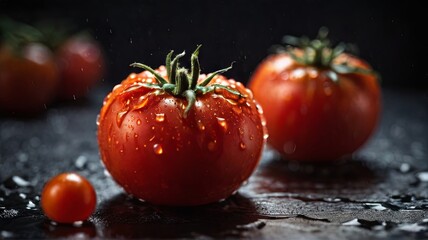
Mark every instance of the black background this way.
pixel 387 32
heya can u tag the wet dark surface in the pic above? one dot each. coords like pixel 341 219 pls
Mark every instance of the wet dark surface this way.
pixel 381 192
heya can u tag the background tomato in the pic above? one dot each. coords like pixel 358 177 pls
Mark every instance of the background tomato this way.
pixel 28 79
pixel 67 198
pixel 320 103
pixel 166 149
pixel 81 65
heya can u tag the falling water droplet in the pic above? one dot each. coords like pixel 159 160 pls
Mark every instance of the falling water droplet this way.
pixel 222 123
pixel 160 117
pixel 158 149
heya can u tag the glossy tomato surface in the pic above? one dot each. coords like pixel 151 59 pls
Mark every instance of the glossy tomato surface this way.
pixel 81 65
pixel 309 116
pixel 159 155
pixel 28 80
pixel 67 198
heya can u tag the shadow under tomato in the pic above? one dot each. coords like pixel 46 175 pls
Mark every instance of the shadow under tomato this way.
pixel 278 175
pixel 123 216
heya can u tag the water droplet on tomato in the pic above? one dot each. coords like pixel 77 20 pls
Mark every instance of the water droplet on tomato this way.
pixel 158 149
pixel 298 74
pixel 222 123
pixel 242 145
pixel 117 86
pixel 132 75
pixel 313 73
pixel 212 145
pixel 135 135
pixel 231 101
pixel 138 122
pixel 141 103
pixel 160 117
pixel 237 109
pixel 327 89
pixel 285 76
pixel 98 120
pixel 201 125
pixel 249 93
pixel 259 108
pixel 151 139
pixel 241 131
pixel 265 136
pixel 289 147
pixel 120 117
pixel 251 137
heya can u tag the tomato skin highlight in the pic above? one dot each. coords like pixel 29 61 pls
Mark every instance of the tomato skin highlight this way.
pixel 310 117
pixel 160 156
pixel 67 198
pixel 81 64
pixel 28 83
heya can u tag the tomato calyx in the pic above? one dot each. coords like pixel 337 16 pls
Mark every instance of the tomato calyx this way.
pixel 18 35
pixel 320 53
pixel 183 83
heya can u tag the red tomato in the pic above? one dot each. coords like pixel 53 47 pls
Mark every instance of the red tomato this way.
pixel 81 63
pixel 67 198
pixel 320 104
pixel 28 79
pixel 177 143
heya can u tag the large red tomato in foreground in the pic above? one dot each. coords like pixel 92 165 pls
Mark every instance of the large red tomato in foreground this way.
pixel 320 104
pixel 188 140
pixel 28 79
pixel 81 66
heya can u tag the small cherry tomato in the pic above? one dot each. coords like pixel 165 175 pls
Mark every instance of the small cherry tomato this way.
pixel 67 198
pixel 174 137
pixel 81 64
pixel 320 103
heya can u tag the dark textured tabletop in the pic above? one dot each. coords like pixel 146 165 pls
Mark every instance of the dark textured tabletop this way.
pixel 382 192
